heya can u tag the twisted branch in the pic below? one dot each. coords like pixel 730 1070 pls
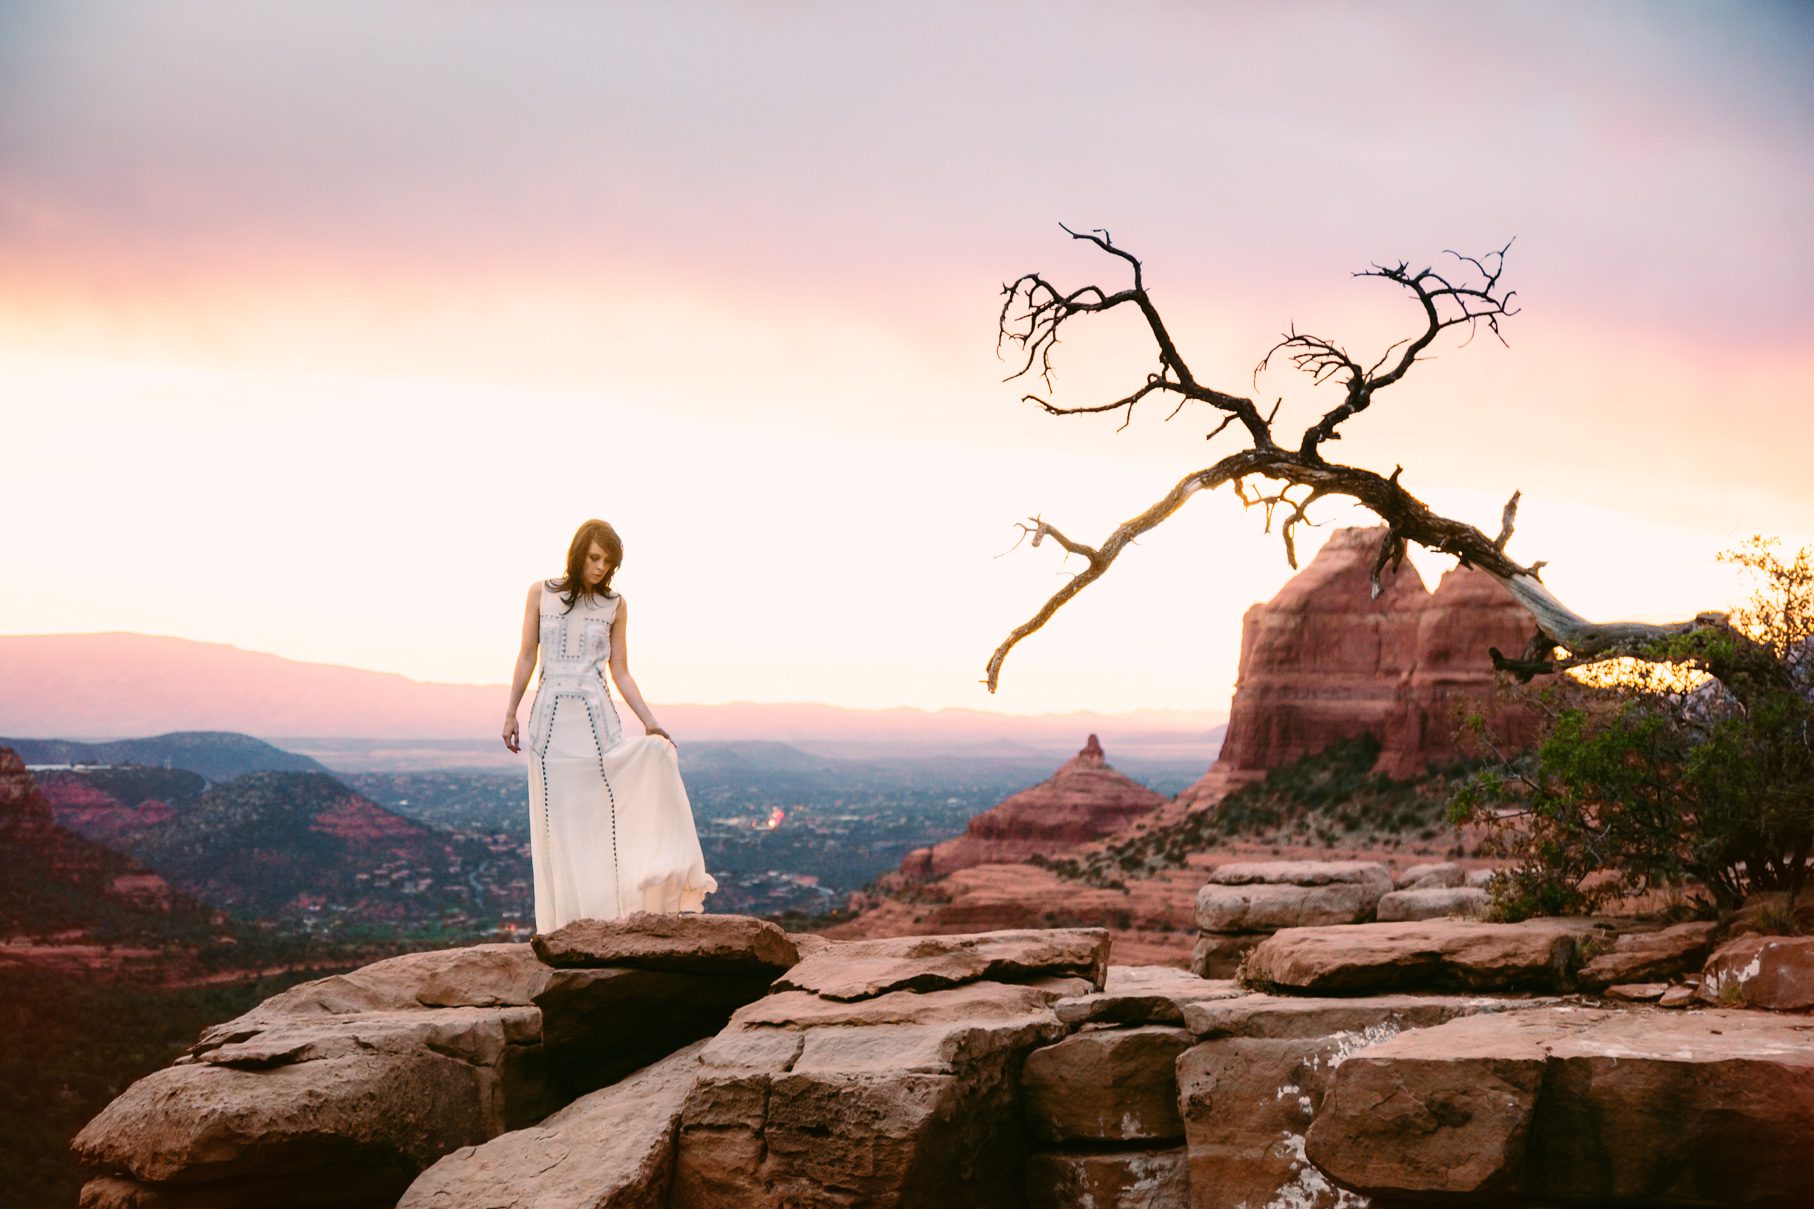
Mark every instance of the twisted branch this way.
pixel 1034 312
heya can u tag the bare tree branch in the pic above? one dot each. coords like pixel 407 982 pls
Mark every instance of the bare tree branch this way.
pixel 1035 310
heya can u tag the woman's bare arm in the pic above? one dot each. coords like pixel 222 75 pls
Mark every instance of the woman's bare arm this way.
pixel 620 671
pixel 527 650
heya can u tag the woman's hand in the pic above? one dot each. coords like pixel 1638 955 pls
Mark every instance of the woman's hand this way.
pixel 510 736
pixel 656 730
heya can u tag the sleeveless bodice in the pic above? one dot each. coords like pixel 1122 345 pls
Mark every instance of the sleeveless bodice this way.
pixel 575 648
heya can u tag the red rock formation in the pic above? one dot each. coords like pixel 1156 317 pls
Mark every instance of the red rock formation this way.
pixel 42 864
pixel 1084 800
pixel 1324 661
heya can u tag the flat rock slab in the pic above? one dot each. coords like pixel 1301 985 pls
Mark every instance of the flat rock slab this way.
pixel 1217 956
pixel 1649 956
pixel 336 1091
pixel 1303 873
pixel 1291 1017
pixel 861 969
pixel 1773 972
pixel 1106 1085
pixel 487 975
pixel 387 1114
pixel 908 1099
pixel 1432 876
pixel 1633 1106
pixel 1431 902
pixel 1250 1088
pixel 685 941
pixel 479 1036
pixel 1144 995
pixel 1469 955
pixel 611 1149
pixel 1137 1179
pixel 1268 906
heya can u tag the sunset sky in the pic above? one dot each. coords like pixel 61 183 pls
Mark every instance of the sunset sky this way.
pixel 323 325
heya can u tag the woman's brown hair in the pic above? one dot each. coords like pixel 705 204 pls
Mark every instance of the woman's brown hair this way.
pixel 591 531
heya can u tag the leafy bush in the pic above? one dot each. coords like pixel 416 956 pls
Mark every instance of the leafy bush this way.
pixel 1655 777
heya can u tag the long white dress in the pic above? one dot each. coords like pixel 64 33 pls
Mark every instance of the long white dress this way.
pixel 611 830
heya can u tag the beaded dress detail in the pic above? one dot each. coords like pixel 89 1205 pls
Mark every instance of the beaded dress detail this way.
pixel 611 830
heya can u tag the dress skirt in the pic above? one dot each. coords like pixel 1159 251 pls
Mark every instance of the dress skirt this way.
pixel 611 829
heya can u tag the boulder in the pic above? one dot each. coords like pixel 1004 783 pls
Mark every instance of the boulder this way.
pixel 698 943
pixel 1106 1085
pixel 1217 956
pixel 1264 907
pixel 1648 956
pixel 1466 955
pixel 860 969
pixel 1469 1135
pixel 1431 902
pixel 1635 1106
pixel 1439 875
pixel 1256 1080
pixel 1774 972
pixel 336 1091
pixel 487 975
pixel 905 1098
pixel 611 1148
pixel 362 1118
pixel 1143 995
pixel 1133 1179
pixel 1303 873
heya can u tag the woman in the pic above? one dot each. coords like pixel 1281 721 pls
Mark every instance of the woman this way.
pixel 610 827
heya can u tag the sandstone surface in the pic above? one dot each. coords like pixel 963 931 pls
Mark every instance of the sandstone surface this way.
pixel 610 1149
pixel 1633 1106
pixel 1371 875
pixel 1431 876
pixel 1106 1085
pixel 1137 1179
pixel 863 968
pixel 1249 1090
pixel 1774 972
pixel 1267 908
pixel 1648 956
pixel 1144 995
pixel 1431 902
pixel 1455 955
pixel 653 940
pixel 904 1098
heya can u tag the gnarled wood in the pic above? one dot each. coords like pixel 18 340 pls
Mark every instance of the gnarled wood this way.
pixel 1035 310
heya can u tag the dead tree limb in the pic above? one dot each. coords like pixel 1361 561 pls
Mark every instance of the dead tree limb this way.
pixel 1469 296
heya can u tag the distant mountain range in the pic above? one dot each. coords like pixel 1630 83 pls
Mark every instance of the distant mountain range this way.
pixel 217 755
pixel 287 845
pixel 103 686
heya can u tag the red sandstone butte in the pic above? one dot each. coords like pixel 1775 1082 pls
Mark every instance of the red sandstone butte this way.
pixel 1084 800
pixel 1323 661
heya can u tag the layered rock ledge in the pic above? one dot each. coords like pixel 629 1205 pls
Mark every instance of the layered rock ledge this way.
pixel 997 1069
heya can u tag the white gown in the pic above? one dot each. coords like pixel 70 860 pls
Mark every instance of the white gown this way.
pixel 611 830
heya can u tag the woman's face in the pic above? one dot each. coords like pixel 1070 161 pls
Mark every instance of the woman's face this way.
pixel 597 564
